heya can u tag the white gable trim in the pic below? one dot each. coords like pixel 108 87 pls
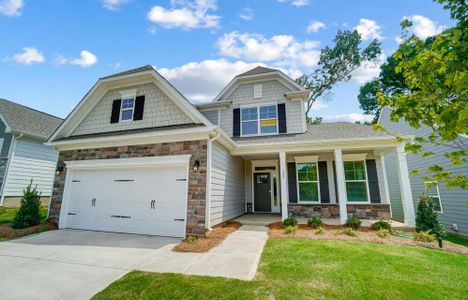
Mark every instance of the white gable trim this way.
pixel 99 89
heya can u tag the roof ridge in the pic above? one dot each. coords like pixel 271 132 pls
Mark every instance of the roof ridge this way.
pixel 30 108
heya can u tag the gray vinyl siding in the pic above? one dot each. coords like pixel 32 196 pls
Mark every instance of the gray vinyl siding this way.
pixel 31 159
pixel 394 186
pixel 227 186
pixel 452 200
pixel 211 115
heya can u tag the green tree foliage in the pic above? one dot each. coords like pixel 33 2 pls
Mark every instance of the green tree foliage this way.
pixel 435 74
pixel 29 212
pixel 427 219
pixel 337 63
pixel 314 120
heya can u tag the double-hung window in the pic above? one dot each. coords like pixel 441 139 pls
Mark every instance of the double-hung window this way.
pixel 259 120
pixel 432 190
pixel 307 182
pixel 126 109
pixel 357 189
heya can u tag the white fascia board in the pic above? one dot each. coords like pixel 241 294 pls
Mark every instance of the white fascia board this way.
pixel 354 157
pixel 176 135
pixel 212 105
pixel 306 159
pixel 128 162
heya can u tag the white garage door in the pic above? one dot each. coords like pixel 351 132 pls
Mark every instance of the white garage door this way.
pixel 145 200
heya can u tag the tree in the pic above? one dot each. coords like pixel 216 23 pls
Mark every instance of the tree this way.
pixel 314 120
pixel 337 63
pixel 427 218
pixel 29 212
pixel 435 74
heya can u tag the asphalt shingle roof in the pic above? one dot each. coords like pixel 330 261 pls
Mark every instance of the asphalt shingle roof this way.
pixel 321 132
pixel 28 121
pixel 136 70
pixel 257 70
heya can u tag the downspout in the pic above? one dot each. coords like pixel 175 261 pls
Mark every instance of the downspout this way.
pixel 208 181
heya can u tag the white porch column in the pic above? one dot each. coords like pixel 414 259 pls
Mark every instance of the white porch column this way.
pixel 284 185
pixel 385 180
pixel 341 186
pixel 405 186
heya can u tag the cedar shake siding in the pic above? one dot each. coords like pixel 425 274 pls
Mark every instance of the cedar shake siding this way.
pixel 196 185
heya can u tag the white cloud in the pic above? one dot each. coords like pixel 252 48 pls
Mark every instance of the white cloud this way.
pixel 114 5
pixel 186 14
pixel 247 14
pixel 87 59
pixel 369 29
pixel 299 3
pixel 424 27
pixel 29 56
pixel 368 70
pixel 318 105
pixel 152 30
pixel 315 26
pixel 283 51
pixel 11 8
pixel 352 117
pixel 202 81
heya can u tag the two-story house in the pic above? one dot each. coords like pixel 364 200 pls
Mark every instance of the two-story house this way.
pixel 136 156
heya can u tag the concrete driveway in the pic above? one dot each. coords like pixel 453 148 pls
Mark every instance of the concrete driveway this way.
pixel 74 264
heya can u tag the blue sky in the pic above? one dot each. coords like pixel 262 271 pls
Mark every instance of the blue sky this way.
pixel 52 52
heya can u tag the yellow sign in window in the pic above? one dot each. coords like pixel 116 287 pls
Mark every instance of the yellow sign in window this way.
pixel 267 123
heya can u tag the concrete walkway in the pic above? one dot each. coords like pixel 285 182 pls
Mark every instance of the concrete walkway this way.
pixel 74 264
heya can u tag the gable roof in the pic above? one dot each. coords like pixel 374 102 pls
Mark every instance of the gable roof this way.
pixel 257 70
pixel 24 120
pixel 147 73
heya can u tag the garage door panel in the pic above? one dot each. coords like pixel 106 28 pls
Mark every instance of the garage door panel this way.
pixel 123 200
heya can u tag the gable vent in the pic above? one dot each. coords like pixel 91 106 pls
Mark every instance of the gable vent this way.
pixel 258 91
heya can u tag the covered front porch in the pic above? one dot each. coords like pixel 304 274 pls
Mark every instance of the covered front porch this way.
pixel 332 184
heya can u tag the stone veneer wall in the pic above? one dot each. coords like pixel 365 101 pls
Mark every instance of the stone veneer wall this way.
pixel 362 211
pixel 196 184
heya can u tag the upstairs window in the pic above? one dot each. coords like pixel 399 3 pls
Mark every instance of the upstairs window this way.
pixel 259 120
pixel 126 109
pixel 432 190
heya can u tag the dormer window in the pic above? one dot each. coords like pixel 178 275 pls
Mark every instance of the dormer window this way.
pixel 259 120
pixel 127 109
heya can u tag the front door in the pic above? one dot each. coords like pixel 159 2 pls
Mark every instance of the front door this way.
pixel 262 192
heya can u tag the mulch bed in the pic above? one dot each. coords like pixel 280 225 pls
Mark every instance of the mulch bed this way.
pixel 6 232
pixel 211 240
pixel 364 234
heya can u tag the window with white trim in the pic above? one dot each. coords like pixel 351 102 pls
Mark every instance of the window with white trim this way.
pixel 259 120
pixel 307 182
pixel 126 109
pixel 432 190
pixel 357 187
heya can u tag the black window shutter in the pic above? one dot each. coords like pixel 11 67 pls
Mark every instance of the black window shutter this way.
pixel 323 179
pixel 115 116
pixel 282 118
pixel 236 122
pixel 334 180
pixel 139 108
pixel 292 183
pixel 373 180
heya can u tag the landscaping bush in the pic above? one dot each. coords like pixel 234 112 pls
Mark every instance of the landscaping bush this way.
pixel 290 229
pixel 315 222
pixel 383 233
pixel 349 232
pixel 427 219
pixel 320 230
pixel 353 222
pixel 29 212
pixel 289 222
pixel 424 236
pixel 382 224
pixel 190 239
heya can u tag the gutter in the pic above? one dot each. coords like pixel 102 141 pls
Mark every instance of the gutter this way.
pixel 208 181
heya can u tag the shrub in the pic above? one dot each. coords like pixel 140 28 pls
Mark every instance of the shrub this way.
pixel 191 239
pixel 382 224
pixel 424 236
pixel 349 232
pixel 320 230
pixel 29 212
pixel 427 219
pixel 289 222
pixel 290 229
pixel 315 222
pixel 353 222
pixel 383 233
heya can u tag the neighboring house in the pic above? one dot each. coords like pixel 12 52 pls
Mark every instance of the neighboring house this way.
pixel 136 156
pixel 23 155
pixel 451 203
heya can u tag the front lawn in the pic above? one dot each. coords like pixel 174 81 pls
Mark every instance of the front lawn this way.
pixel 308 269
pixel 457 239
pixel 7 214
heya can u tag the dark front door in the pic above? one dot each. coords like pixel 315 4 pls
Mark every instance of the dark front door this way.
pixel 262 192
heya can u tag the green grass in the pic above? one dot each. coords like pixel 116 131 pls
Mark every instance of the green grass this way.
pixel 307 269
pixel 456 239
pixel 7 214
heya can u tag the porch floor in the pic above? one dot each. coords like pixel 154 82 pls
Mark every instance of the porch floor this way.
pixel 266 219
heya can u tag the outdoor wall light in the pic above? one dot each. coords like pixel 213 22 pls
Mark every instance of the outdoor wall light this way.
pixel 196 165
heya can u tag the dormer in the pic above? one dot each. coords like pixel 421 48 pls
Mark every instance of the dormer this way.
pixel 259 102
